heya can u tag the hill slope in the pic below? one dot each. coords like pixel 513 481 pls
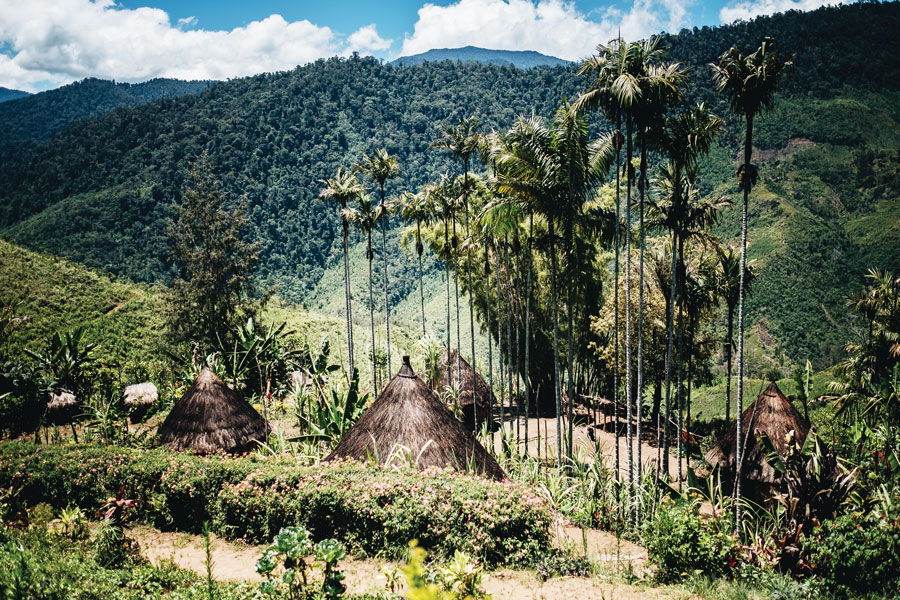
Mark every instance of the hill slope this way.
pixel 34 118
pixel 827 208
pixel 523 59
pixel 7 94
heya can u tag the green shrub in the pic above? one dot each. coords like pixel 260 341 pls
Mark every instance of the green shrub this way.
pixel 681 543
pixel 857 553
pixel 371 511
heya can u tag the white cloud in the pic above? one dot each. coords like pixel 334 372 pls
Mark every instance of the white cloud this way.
pixel 59 41
pixel 553 27
pixel 367 38
pixel 749 10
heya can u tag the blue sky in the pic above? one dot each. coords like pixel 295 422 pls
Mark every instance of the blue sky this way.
pixel 47 43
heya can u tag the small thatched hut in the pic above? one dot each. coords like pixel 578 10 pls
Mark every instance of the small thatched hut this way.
pixel 62 407
pixel 139 397
pixel 408 416
pixel 773 414
pixel 484 399
pixel 211 417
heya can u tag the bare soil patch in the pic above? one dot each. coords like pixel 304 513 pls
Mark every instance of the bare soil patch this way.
pixel 237 562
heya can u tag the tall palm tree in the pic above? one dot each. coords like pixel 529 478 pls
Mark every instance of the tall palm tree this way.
pixel 462 140
pixel 343 188
pixel 729 265
pixel 660 85
pixel 687 215
pixel 365 217
pixel 380 167
pixel 418 208
pixel 749 83
pixel 607 68
pixel 684 138
pixel 444 195
pixel 553 169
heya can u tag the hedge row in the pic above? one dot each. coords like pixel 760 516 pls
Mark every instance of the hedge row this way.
pixel 373 511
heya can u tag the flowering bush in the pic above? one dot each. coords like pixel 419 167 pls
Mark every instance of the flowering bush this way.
pixel 857 553
pixel 371 511
pixel 680 543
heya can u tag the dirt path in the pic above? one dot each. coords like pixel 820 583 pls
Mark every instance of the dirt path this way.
pixel 237 562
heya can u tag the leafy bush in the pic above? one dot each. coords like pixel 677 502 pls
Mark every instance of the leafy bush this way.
pixel 681 543
pixel 858 553
pixel 371 511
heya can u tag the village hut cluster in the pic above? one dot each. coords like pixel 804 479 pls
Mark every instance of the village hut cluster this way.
pixel 406 423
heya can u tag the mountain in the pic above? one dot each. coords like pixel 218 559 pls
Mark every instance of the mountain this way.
pixel 34 118
pixel 101 191
pixel 523 59
pixel 7 94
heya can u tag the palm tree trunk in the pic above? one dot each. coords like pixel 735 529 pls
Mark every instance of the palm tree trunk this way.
pixel 487 303
pixel 348 301
pixel 421 284
pixel 640 329
pixel 629 435
pixel 500 343
pixel 456 290
pixel 679 394
pixel 571 340
pixel 616 307
pixel 528 338
pixel 728 352
pixel 471 301
pixel 670 339
pixel 556 383
pixel 509 342
pixel 370 256
pixel 447 280
pixel 748 149
pixel 387 307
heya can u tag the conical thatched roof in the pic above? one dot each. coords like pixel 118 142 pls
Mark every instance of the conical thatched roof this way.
pixel 484 398
pixel 408 415
pixel 211 417
pixel 773 414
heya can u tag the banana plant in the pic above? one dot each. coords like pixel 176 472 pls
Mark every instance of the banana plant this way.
pixel 336 413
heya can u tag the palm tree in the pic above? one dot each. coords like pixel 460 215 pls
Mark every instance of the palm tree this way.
pixel 749 82
pixel 608 70
pixel 660 88
pixel 366 218
pixel 552 170
pixel 444 195
pixel 729 265
pixel 687 215
pixel 418 208
pixel 462 140
pixel 380 167
pixel 684 138
pixel 342 189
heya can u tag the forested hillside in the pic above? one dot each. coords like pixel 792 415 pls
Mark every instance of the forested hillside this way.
pixel 828 207
pixel 35 118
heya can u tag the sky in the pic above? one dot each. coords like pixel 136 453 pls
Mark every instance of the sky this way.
pixel 48 43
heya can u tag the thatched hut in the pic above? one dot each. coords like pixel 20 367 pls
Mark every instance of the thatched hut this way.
pixel 211 417
pixel 773 414
pixel 139 397
pixel 409 418
pixel 480 409
pixel 62 407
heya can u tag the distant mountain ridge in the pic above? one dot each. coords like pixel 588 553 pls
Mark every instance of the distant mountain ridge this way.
pixel 7 94
pixel 523 59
